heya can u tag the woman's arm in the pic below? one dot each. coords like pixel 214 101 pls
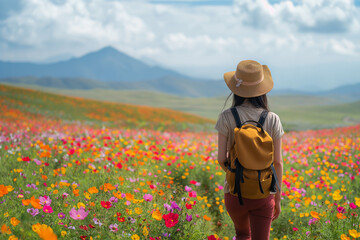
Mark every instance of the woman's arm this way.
pixel 222 150
pixel 278 164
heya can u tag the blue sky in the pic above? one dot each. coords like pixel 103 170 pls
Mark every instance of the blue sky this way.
pixel 308 44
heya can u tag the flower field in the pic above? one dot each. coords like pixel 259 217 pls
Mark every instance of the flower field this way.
pixel 62 179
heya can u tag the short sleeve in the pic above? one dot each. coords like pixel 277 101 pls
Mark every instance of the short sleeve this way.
pixel 221 125
pixel 278 130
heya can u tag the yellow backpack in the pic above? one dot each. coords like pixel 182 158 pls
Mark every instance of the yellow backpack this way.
pixel 251 173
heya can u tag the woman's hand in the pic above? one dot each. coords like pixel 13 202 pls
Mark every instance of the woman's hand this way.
pixel 277 209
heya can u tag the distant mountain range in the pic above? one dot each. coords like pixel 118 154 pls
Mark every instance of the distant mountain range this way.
pixel 108 68
pixel 107 64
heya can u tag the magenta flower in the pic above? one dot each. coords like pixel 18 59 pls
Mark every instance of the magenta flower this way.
pixel 188 217
pixel 61 215
pixel 79 214
pixel 341 209
pixel 148 197
pixel 352 205
pixel 47 209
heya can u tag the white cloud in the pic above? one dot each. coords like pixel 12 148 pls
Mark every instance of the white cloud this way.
pixel 203 40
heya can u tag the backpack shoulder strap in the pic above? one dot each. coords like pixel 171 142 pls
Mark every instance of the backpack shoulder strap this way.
pixel 263 117
pixel 236 116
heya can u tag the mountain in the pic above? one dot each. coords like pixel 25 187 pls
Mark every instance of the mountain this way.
pixel 179 86
pixel 107 64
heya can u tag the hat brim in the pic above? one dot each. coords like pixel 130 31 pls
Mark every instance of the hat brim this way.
pixel 253 90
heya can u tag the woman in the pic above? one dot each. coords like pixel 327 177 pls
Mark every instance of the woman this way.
pixel 249 85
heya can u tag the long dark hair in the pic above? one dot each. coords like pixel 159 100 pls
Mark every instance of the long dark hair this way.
pixel 258 102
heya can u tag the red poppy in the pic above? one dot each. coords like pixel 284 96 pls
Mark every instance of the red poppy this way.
pixel 83 227
pixel 26 159
pixel 121 219
pixel 212 237
pixel 91 226
pixel 188 206
pixel 83 237
pixel 106 204
pixel 171 219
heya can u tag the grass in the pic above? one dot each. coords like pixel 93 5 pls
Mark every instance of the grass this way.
pixel 297 112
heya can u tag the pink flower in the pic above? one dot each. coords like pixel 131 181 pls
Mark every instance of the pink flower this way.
pixel 295 229
pixel 47 209
pixel 148 197
pixel 79 214
pixel 188 189
pixel 192 194
pixel 45 200
pixel 352 206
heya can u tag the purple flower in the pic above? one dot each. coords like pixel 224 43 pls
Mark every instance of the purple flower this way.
pixel 61 215
pixel 79 214
pixel 33 211
pixel 188 217
pixel 113 200
pixel 148 197
pixel 175 206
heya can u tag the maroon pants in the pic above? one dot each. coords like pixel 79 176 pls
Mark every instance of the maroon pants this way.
pixel 252 220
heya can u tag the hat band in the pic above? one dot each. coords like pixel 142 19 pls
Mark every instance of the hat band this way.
pixel 240 81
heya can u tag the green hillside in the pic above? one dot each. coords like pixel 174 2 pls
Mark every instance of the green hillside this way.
pixel 17 103
pixel 296 111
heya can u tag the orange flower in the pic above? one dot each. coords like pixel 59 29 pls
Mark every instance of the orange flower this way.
pixel 108 187
pixel 14 221
pixel 340 216
pixel 93 190
pixel 44 231
pixel 25 202
pixel 3 190
pixel 314 214
pixel 207 218
pixel 5 229
pixel 129 196
pixel 35 202
pixel 157 215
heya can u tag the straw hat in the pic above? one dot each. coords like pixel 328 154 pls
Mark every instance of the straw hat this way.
pixel 251 79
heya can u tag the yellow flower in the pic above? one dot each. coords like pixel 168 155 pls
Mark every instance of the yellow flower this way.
pixel 157 215
pixel 138 210
pixel 80 204
pixel 14 221
pixel 336 195
pixel 12 237
pixel 357 201
pixel 145 231
pixel 36 227
pixel 63 233
pixel 135 237
pixel 354 233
